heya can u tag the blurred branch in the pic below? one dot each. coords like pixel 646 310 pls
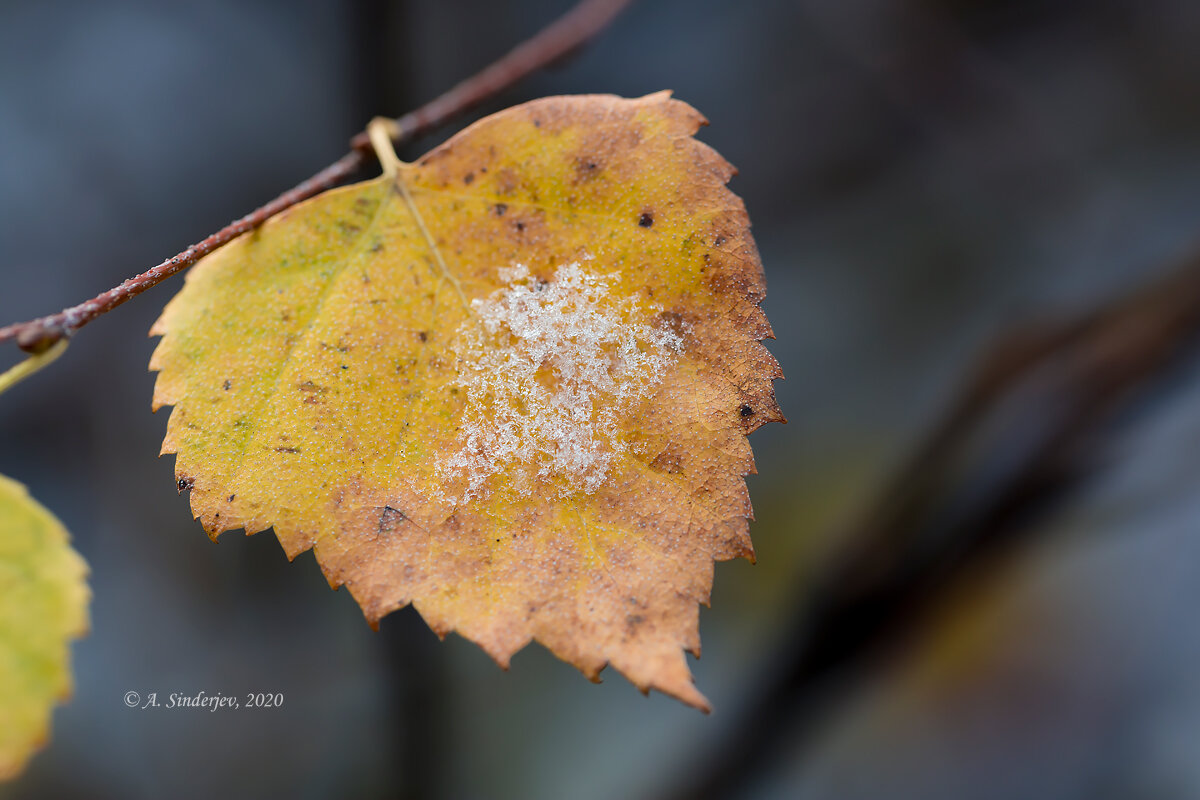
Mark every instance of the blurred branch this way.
pixel 572 30
pixel 1023 432
pixel 416 705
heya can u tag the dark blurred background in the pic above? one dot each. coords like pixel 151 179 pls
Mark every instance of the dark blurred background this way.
pixel 923 175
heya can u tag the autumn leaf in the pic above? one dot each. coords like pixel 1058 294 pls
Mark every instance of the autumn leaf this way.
pixel 510 384
pixel 43 605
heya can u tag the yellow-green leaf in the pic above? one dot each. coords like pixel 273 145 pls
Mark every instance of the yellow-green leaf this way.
pixel 509 384
pixel 43 605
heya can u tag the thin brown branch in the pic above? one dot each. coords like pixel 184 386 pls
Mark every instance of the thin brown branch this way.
pixel 558 39
pixel 39 334
pixel 570 31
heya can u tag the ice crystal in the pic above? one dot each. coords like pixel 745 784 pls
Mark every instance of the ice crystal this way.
pixel 549 370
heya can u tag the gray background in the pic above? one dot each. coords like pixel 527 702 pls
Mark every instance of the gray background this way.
pixel 922 174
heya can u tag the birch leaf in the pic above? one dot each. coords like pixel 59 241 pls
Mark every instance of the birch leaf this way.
pixel 43 605
pixel 510 384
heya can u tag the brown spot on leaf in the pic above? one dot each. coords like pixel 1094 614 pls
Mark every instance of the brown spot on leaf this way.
pixel 668 461
pixel 507 181
pixel 673 321
pixel 586 167
pixel 390 519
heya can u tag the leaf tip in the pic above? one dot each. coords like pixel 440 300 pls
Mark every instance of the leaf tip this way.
pixel 691 695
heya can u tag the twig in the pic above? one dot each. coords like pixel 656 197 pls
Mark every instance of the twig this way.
pixel 1022 435
pixel 558 39
pixel 572 30
pixel 37 335
pixel 19 372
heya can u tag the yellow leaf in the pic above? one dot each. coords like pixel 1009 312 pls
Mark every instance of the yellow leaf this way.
pixel 509 384
pixel 43 605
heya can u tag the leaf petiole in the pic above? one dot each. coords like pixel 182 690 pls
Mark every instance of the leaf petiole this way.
pixel 382 131
pixel 30 365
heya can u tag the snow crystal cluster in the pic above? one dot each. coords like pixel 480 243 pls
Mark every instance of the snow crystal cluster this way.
pixel 549 370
